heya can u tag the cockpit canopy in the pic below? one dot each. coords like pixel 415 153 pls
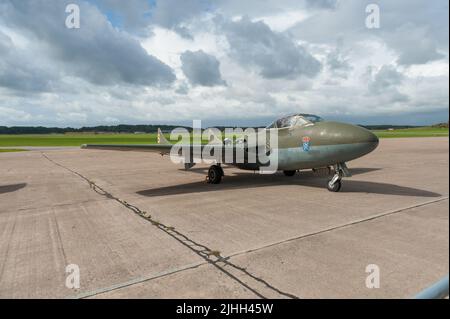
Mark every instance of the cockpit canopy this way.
pixel 295 120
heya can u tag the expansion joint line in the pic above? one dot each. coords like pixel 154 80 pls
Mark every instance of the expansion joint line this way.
pixel 210 256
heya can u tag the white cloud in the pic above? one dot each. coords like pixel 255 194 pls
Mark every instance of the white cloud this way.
pixel 282 21
pixel 126 67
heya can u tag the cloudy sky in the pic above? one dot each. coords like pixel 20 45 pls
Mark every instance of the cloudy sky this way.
pixel 226 62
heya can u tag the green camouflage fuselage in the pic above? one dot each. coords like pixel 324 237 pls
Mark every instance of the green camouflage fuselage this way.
pixel 329 143
pixel 314 145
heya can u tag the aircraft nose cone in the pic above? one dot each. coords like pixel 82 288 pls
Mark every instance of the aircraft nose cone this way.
pixel 367 136
pixel 342 133
pixel 370 139
pixel 347 133
pixel 361 135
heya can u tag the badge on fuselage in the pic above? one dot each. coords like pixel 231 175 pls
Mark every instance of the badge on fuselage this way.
pixel 306 143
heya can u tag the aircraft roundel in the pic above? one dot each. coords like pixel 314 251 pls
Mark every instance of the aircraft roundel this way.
pixel 306 143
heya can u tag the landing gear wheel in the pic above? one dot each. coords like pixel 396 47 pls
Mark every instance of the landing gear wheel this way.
pixel 289 173
pixel 215 174
pixel 334 187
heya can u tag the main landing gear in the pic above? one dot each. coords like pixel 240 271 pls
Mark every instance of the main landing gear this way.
pixel 289 173
pixel 215 174
pixel 335 183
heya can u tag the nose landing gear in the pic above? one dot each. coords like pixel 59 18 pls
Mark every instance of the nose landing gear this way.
pixel 335 183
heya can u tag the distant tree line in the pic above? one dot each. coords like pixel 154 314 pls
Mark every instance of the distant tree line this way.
pixel 16 130
pixel 441 125
pixel 398 127
pixel 123 128
pixel 387 127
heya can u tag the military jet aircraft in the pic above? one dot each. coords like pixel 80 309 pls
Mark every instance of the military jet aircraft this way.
pixel 304 141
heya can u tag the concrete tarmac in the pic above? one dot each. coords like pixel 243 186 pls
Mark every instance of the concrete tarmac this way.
pixel 251 236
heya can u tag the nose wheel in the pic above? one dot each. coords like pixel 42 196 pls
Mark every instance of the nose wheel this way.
pixel 334 186
pixel 335 183
pixel 215 174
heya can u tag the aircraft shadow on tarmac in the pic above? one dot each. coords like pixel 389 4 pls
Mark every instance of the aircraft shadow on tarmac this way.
pixel 11 188
pixel 306 179
pixel 354 171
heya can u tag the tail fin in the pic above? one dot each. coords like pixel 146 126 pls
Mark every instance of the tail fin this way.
pixel 161 139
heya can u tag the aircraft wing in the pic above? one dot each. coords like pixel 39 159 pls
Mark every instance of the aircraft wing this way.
pixel 163 147
pixel 156 148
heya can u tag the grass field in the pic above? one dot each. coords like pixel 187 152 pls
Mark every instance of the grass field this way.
pixel 79 139
pixel 413 132
pixel 75 139
pixel 10 150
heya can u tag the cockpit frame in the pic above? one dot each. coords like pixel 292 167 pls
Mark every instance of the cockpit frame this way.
pixel 294 120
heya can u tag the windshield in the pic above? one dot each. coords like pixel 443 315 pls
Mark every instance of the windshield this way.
pixel 295 120
pixel 313 118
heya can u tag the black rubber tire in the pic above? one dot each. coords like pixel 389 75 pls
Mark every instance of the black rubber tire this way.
pixel 221 170
pixel 289 173
pixel 336 187
pixel 215 174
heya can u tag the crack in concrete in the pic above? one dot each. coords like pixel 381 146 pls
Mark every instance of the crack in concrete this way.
pixel 196 265
pixel 201 250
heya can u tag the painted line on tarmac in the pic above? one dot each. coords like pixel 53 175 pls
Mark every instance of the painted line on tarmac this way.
pixel 225 259
pixel 344 225
pixel 143 279
pixel 136 281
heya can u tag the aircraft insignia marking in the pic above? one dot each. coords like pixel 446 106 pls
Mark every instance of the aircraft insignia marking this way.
pixel 306 143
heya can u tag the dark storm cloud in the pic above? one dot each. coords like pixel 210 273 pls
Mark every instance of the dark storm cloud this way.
pixel 415 44
pixel 338 64
pixel 96 52
pixel 274 54
pixel 385 82
pixel 172 14
pixel 268 72
pixel 5 43
pixel 141 15
pixel 386 77
pixel 417 30
pixel 201 68
pixel 18 72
